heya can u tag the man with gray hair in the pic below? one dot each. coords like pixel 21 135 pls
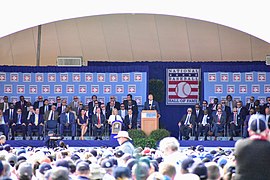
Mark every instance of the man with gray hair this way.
pixel 169 146
pixel 186 123
pixel 252 154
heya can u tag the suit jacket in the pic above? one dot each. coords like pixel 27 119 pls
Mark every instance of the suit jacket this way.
pixel 5 119
pixel 106 114
pixel 192 119
pixel 72 105
pixel 95 119
pixel 133 122
pixel 212 107
pixel 249 106
pixel 198 117
pixel 59 109
pixel 57 105
pixel 155 106
pixel 222 119
pixel 119 113
pixel 36 104
pixel 209 119
pixel 91 106
pixel 116 105
pixel 238 119
pixel 42 109
pixel 23 107
pixel 134 108
pixel 63 119
pixel 15 119
pixel 47 115
pixel 243 113
pixel 40 119
pixel 2 105
pixel 134 103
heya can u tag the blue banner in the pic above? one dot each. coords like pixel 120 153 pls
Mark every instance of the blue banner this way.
pixel 67 84
pixel 240 85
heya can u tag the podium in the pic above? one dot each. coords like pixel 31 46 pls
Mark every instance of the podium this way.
pixel 149 121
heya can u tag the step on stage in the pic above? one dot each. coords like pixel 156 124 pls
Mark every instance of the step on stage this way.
pixel 111 142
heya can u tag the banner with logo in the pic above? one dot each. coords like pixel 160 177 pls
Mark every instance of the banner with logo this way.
pixel 240 85
pixel 182 87
pixel 67 84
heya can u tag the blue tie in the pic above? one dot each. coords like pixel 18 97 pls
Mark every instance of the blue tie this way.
pixel 19 119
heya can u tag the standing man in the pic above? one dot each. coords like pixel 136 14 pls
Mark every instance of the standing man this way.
pixel 46 107
pixel 58 102
pixel 151 104
pixel 133 102
pixel 91 104
pixel 74 104
pixel 21 104
pixel 252 154
pixel 39 103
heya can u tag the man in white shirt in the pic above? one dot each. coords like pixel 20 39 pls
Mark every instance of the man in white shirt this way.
pixel 186 123
pixel 4 106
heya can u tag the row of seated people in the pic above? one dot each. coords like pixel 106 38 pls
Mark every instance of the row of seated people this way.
pixel 76 105
pixel 219 117
pixel 67 120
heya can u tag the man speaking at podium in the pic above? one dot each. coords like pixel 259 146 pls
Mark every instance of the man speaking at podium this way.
pixel 151 104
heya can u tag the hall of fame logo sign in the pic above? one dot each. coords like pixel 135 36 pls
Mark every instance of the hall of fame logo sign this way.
pixel 182 87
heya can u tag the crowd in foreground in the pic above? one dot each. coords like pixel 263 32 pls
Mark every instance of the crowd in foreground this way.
pixel 248 160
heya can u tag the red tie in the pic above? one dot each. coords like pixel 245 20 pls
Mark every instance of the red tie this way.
pixel 98 119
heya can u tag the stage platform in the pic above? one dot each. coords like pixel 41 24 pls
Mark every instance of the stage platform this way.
pixel 114 143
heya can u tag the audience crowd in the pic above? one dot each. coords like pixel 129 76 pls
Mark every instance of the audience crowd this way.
pixel 248 160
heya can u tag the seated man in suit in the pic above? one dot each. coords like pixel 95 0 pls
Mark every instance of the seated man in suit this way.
pixel 204 124
pixel 186 123
pixel 18 123
pixel 98 121
pixel 122 112
pixel 3 123
pixel 235 124
pixel 36 123
pixel 219 120
pixel 130 121
pixel 67 120
pixel 52 114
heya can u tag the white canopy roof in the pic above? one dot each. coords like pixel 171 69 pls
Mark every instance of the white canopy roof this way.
pixel 248 16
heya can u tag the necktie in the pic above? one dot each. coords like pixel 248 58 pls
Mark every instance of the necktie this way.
pixel 218 118
pixel 235 119
pixel 52 116
pixel 67 118
pixel 36 120
pixel 19 119
pixel 11 114
pixel 187 120
pixel 5 107
pixel 98 119
pixel 115 117
pixel 130 119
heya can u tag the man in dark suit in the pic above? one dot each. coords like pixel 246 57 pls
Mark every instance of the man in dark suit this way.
pixel 241 111
pixel 21 104
pixel 111 105
pixel 10 114
pixel 3 124
pixel 186 123
pixel 251 103
pixel 151 104
pixel 132 103
pixel 98 121
pixel 91 104
pixel 4 106
pixel 39 103
pixel 219 121
pixel 198 113
pixel 204 124
pixel 103 110
pixel 213 106
pixel 58 102
pixel 29 114
pixel 36 123
pixel 46 107
pixel 130 121
pixel 235 124
pixel 18 123
pixel 67 120
pixel 62 108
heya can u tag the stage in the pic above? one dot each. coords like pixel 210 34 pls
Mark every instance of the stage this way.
pixel 114 143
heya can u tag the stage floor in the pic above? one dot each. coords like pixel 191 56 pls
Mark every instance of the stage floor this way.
pixel 114 143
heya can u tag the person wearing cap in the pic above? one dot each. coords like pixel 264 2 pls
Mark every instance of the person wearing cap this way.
pixel 25 171
pixel 83 171
pixel 252 154
pixel 107 165
pixel 124 140
pixel 43 168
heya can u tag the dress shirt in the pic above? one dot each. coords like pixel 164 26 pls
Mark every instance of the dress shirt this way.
pixel 204 121
pixel 187 122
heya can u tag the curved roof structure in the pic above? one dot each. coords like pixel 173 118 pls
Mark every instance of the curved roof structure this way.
pixel 247 16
